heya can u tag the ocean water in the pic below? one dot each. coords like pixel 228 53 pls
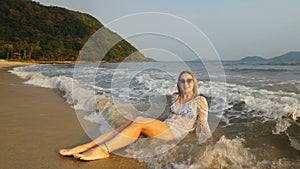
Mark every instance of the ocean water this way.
pixel 254 114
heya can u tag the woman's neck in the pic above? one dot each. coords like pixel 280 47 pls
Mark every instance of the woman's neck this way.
pixel 187 96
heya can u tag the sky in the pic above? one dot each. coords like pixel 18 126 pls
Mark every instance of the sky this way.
pixel 235 28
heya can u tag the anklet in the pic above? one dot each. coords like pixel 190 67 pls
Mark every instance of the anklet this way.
pixel 107 150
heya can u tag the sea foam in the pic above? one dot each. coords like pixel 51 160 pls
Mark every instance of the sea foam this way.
pixel 70 89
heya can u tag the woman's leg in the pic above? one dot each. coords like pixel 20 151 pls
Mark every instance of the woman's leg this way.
pixel 104 137
pixel 149 127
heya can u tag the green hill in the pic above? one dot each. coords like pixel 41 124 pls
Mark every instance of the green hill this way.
pixel 30 31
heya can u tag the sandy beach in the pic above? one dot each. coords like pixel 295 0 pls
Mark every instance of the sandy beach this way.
pixel 35 122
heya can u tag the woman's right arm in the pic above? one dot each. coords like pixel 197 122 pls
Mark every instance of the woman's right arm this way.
pixel 174 97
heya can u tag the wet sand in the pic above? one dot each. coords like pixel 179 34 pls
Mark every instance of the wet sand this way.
pixel 35 122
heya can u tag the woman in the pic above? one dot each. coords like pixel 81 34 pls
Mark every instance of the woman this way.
pixel 189 111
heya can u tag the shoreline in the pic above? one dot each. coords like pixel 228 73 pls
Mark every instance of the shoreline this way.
pixel 21 62
pixel 10 64
pixel 4 62
pixel 36 122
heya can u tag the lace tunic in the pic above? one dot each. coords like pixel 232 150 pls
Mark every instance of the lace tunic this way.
pixel 182 118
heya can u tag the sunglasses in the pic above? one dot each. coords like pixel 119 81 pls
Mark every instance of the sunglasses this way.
pixel 182 81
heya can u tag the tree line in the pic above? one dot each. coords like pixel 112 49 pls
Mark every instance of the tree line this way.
pixel 30 31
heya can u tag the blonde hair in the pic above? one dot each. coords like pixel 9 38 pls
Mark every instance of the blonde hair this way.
pixel 195 89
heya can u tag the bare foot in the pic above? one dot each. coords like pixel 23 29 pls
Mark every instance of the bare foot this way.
pixel 75 150
pixel 93 154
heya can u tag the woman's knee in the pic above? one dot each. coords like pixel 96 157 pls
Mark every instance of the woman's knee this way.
pixel 137 123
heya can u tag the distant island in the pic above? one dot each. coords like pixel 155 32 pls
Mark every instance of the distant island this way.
pixel 288 58
pixel 33 32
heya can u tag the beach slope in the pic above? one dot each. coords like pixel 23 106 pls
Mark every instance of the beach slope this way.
pixel 35 122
